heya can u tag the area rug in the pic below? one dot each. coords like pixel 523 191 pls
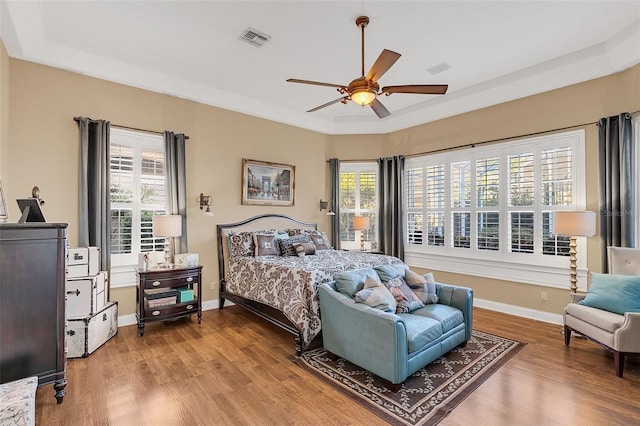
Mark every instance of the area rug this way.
pixel 429 394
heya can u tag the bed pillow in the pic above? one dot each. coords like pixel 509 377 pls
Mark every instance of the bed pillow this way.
pixel 321 241
pixel 286 245
pixel 613 293
pixel 241 244
pixel 376 295
pixel 388 272
pixel 303 249
pixel 295 231
pixel 266 244
pixel 424 286
pixel 406 300
pixel 351 282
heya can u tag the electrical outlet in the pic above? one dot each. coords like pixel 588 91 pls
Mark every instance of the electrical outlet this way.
pixel 543 296
pixel 213 285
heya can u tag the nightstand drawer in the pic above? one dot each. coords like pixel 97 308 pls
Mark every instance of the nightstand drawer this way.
pixel 171 281
pixel 161 311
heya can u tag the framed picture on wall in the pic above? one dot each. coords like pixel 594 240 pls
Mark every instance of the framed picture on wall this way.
pixel 267 184
pixel 3 206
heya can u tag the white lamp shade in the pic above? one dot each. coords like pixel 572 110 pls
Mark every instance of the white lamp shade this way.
pixel 167 226
pixel 361 223
pixel 574 224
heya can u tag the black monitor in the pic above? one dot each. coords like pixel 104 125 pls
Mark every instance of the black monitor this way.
pixel 31 211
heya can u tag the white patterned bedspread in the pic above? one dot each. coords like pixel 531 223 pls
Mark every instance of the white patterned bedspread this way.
pixel 289 284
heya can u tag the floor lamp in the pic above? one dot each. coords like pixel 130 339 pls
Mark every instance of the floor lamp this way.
pixel 574 224
pixel 361 223
pixel 168 226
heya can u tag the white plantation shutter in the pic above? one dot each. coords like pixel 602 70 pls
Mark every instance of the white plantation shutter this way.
pixel 494 202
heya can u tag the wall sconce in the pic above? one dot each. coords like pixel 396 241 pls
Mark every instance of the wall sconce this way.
pixel 205 201
pixel 324 205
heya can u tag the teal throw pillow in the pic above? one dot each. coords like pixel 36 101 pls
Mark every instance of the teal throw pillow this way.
pixel 389 272
pixel 613 293
pixel 351 282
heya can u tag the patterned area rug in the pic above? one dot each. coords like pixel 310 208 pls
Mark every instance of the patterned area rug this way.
pixel 429 394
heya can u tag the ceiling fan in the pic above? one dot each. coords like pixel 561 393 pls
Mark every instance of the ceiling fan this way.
pixel 365 89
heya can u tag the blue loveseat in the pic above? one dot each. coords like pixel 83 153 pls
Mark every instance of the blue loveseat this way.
pixel 392 346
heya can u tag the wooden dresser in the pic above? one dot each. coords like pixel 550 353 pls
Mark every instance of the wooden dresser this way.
pixel 32 303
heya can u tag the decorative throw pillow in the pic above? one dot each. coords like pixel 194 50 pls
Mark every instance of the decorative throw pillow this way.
pixel 303 249
pixel 295 231
pixel 241 244
pixel 388 272
pixel 424 286
pixel 286 245
pixel 406 300
pixel 266 244
pixel 376 295
pixel 613 293
pixel 321 241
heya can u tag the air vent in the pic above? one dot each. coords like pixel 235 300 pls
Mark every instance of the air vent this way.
pixel 254 37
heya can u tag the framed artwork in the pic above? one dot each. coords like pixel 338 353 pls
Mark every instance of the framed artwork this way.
pixel 3 206
pixel 267 184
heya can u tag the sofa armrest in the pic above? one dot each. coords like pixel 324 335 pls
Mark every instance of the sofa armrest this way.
pixel 368 337
pixel 458 297
pixel 627 337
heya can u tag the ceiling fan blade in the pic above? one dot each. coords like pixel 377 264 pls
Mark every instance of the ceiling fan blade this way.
pixel 317 83
pixel 329 103
pixel 424 89
pixel 380 110
pixel 386 59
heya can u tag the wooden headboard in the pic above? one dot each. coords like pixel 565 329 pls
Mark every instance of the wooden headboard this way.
pixel 256 223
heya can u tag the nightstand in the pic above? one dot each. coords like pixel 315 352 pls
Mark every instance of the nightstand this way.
pixel 158 297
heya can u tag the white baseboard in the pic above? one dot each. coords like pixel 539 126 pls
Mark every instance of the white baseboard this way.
pixel 519 311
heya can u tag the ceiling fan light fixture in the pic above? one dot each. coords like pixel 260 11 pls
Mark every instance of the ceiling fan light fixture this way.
pixel 363 96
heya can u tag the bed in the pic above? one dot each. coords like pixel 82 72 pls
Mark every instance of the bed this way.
pixel 279 288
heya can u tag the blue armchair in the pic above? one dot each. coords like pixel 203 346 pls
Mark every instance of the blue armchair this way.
pixel 394 346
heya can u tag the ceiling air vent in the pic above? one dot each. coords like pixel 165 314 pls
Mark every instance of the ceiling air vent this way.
pixel 254 37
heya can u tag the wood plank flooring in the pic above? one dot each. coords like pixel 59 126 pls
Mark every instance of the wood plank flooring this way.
pixel 236 369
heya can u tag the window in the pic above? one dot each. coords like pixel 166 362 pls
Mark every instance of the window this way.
pixel 358 197
pixel 636 168
pixel 490 208
pixel 137 175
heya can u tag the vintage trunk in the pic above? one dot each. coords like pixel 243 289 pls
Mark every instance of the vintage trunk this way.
pixel 85 335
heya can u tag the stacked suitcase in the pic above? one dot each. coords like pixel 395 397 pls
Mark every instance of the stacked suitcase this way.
pixel 91 318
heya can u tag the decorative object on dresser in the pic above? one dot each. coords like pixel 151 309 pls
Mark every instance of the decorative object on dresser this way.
pixel 574 224
pixel 167 226
pixel 267 184
pixel 158 295
pixel 32 303
pixel 186 260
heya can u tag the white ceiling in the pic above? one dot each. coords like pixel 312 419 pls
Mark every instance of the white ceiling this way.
pixel 497 51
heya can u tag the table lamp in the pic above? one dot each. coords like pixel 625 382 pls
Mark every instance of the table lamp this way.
pixel 361 223
pixel 574 224
pixel 168 226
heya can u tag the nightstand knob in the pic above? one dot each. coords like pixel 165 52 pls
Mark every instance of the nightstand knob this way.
pixel 189 279
pixel 156 283
pixel 189 306
pixel 155 313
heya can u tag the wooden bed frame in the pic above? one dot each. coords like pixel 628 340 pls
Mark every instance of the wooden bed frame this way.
pixel 264 221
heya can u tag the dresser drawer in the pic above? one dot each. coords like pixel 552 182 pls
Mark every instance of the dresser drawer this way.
pixel 170 281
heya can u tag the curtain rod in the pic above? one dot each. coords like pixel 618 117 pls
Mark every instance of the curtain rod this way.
pixel 132 128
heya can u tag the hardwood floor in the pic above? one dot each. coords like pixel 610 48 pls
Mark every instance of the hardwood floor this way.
pixel 236 369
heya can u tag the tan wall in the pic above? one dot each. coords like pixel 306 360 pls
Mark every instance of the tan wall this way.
pixel 44 152
pixel 574 105
pixel 4 112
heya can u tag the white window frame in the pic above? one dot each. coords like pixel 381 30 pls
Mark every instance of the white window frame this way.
pixel 532 268
pixel 358 168
pixel 123 264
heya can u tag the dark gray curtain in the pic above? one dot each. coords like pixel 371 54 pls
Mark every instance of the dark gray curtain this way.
pixel 334 171
pixel 94 221
pixel 174 146
pixel 616 151
pixel 390 220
